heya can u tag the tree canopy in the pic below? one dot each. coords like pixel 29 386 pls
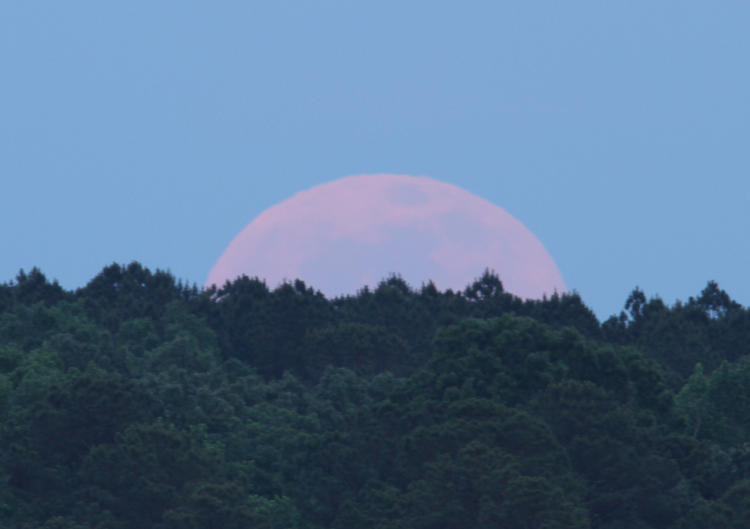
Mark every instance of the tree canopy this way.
pixel 140 401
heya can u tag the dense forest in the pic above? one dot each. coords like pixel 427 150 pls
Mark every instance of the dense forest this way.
pixel 138 401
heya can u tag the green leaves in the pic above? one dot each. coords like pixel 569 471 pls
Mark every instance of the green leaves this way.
pixel 715 407
pixel 139 402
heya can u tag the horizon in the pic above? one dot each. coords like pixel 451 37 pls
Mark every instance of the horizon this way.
pixel 416 289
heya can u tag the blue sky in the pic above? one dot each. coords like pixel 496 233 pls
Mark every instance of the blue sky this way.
pixel 618 132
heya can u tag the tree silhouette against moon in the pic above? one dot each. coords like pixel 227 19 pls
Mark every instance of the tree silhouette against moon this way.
pixel 356 231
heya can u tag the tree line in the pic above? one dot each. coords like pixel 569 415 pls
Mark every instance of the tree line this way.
pixel 141 401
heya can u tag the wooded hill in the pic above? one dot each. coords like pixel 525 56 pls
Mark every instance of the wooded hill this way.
pixel 141 402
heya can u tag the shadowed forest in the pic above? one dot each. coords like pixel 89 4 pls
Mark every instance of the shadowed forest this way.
pixel 140 402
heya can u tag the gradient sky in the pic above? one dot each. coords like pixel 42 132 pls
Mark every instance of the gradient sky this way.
pixel 617 132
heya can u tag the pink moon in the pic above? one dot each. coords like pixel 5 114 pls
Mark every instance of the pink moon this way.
pixel 356 231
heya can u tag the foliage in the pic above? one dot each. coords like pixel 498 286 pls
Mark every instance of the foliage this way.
pixel 138 401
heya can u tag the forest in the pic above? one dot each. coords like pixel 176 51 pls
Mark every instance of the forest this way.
pixel 142 402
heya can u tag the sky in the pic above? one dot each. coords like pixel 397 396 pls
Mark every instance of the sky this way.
pixel 617 132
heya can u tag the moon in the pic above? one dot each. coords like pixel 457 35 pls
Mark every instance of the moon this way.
pixel 357 231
